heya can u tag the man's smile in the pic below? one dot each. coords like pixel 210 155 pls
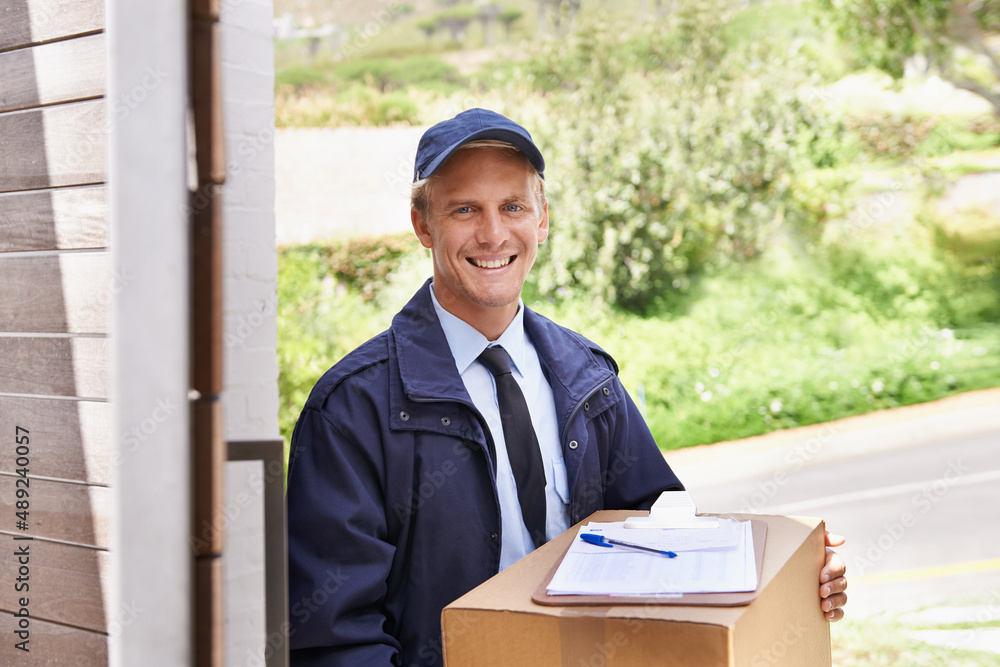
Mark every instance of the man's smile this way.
pixel 491 263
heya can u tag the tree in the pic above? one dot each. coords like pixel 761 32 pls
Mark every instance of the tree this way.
pixel 567 11
pixel 401 9
pixel 659 11
pixel 543 12
pixel 509 17
pixel 428 27
pixel 559 15
pixel 488 15
pixel 956 37
pixel 457 20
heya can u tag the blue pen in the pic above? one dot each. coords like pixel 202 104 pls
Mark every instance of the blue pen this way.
pixel 601 541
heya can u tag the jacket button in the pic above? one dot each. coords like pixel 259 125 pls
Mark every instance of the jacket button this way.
pixel 405 416
pixel 573 444
pixel 586 407
pixel 446 421
pixel 606 391
pixel 494 537
pixel 576 518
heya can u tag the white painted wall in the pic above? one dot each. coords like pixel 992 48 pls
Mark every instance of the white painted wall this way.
pixel 147 175
pixel 151 587
pixel 250 397
pixel 250 259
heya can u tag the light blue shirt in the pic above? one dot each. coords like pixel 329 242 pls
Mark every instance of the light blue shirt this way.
pixel 466 345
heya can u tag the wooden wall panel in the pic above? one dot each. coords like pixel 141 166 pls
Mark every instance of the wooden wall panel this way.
pixel 52 644
pixel 55 219
pixel 54 316
pixel 54 366
pixel 65 71
pixel 67 582
pixel 67 439
pixel 53 146
pixel 68 293
pixel 26 22
pixel 209 612
pixel 60 510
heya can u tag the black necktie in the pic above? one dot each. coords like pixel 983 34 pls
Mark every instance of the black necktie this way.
pixel 522 445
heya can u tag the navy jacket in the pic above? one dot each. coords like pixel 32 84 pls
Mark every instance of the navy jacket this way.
pixel 392 503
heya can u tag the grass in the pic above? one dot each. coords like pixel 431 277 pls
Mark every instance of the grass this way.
pixel 886 642
pixel 785 343
pixel 972 234
pixel 352 105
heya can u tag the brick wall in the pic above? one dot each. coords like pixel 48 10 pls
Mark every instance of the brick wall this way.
pixel 250 397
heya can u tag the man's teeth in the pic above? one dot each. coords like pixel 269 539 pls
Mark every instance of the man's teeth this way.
pixel 491 263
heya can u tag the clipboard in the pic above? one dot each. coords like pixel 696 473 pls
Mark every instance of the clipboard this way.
pixel 757 527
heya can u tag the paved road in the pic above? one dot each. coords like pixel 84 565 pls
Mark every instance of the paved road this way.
pixel 916 493
pixel 344 182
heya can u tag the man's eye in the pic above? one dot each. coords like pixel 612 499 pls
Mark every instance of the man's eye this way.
pixel 512 208
pixel 463 209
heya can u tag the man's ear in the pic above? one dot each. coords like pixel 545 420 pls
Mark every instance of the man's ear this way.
pixel 420 228
pixel 543 224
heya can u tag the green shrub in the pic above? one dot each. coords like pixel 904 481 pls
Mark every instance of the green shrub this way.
pixel 698 195
pixel 788 339
pixel 365 264
pixel 388 74
pixel 355 105
pixel 793 25
pixel 328 304
pixel 960 134
pixel 301 76
pixel 671 161
pixel 895 136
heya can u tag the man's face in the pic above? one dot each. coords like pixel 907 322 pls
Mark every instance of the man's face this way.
pixel 484 226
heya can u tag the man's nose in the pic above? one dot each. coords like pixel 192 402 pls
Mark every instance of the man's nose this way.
pixel 492 231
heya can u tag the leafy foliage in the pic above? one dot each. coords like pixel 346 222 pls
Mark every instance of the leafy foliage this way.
pixel 354 105
pixel 954 36
pixel 328 304
pixel 787 340
pixel 794 339
pixel 363 91
pixel 699 189
pixel 673 157
pixel 888 136
pixel 394 73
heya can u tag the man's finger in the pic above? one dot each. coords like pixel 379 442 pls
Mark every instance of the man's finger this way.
pixel 834 567
pixel 835 615
pixel 833 602
pixel 838 585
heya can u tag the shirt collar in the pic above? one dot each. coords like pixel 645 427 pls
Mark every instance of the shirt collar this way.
pixel 467 344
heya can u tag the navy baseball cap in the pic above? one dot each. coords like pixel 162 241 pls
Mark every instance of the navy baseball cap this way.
pixel 442 140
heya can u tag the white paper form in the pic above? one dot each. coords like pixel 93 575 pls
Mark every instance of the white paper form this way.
pixel 729 534
pixel 592 570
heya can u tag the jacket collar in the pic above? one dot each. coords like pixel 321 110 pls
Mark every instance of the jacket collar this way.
pixel 580 370
pixel 428 372
pixel 427 368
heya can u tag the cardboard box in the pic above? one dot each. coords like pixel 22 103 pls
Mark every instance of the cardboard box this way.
pixel 497 623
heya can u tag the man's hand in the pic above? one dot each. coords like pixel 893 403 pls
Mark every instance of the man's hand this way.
pixel 832 582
